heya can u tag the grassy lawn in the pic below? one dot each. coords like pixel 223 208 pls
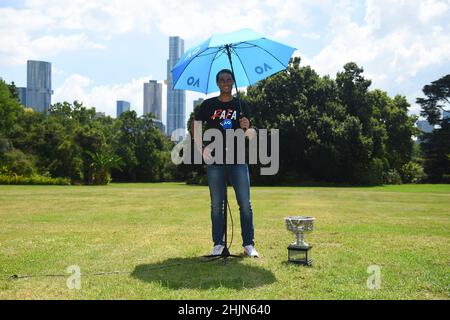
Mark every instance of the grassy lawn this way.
pixel 154 235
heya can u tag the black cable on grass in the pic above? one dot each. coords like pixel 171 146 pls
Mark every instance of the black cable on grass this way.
pixel 104 273
pixel 232 226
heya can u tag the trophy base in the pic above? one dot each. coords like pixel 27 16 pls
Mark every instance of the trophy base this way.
pixel 301 262
pixel 299 255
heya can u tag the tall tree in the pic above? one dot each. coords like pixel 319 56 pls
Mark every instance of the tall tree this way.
pixel 10 109
pixel 437 99
pixel 353 91
pixel 436 145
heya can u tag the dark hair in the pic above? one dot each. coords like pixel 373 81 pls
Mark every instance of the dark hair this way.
pixel 224 71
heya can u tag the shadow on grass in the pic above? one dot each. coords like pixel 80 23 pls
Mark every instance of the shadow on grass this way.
pixel 198 273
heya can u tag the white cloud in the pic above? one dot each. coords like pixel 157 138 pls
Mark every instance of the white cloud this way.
pixel 432 9
pixel 20 47
pixel 102 97
pixel 45 20
pixel 73 88
pixel 311 35
pixel 22 19
pixel 397 41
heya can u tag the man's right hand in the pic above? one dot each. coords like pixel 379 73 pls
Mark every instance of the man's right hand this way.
pixel 207 156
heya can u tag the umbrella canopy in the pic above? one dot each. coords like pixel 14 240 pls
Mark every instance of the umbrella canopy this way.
pixel 250 56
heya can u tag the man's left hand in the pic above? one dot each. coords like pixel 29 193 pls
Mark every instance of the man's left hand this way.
pixel 244 123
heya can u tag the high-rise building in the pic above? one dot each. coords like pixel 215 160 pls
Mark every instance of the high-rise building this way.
pixel 176 99
pixel 39 85
pixel 153 98
pixel 424 126
pixel 160 125
pixel 197 102
pixel 446 115
pixel 22 93
pixel 122 106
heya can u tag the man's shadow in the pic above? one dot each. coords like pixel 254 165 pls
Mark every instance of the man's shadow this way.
pixel 200 273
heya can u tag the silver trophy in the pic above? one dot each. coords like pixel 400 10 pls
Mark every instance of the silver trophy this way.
pixel 298 251
pixel 299 225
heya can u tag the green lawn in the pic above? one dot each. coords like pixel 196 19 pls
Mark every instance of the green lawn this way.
pixel 138 229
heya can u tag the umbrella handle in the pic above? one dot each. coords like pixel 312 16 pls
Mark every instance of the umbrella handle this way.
pixel 227 47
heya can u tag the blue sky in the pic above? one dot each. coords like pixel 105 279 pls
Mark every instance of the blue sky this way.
pixel 103 51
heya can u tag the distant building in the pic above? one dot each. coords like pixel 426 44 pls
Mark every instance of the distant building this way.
pixel 153 98
pixel 39 85
pixel 22 93
pixel 100 114
pixel 160 125
pixel 176 99
pixel 198 102
pixel 424 126
pixel 122 106
pixel 446 115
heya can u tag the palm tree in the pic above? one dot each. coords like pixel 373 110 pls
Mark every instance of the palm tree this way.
pixel 101 165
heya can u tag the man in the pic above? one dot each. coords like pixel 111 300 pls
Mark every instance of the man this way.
pixel 224 113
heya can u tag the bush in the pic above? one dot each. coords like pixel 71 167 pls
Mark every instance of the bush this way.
pixel 412 172
pixel 370 174
pixel 16 162
pixel 32 180
pixel 392 177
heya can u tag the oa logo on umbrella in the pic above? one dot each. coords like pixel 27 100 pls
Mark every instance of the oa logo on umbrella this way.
pixel 261 70
pixel 191 81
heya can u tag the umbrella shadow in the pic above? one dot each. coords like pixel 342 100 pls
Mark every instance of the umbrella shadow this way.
pixel 198 273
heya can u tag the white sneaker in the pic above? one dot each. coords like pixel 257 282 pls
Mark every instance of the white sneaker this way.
pixel 250 251
pixel 217 250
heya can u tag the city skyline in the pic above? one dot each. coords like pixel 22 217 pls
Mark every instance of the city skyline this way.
pixel 105 51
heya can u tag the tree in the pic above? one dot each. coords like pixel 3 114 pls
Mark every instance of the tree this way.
pixel 10 109
pixel 332 130
pixel 13 90
pixel 125 146
pixel 144 150
pixel 91 141
pixel 353 91
pixel 152 150
pixel 437 95
pixel 101 165
pixel 436 145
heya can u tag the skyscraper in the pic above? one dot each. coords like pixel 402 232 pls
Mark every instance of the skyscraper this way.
pixel 159 125
pixel 446 115
pixel 39 85
pixel 424 126
pixel 22 93
pixel 122 106
pixel 153 98
pixel 197 102
pixel 176 99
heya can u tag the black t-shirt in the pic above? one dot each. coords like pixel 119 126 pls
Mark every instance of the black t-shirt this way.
pixel 222 115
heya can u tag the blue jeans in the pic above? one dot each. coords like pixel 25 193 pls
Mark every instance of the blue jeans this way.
pixel 238 176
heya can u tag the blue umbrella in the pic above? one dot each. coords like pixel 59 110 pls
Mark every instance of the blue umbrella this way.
pixel 249 55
